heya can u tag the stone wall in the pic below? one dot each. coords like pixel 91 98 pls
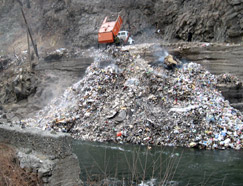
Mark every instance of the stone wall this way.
pixel 50 155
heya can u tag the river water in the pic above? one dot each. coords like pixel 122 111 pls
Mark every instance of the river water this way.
pixel 114 164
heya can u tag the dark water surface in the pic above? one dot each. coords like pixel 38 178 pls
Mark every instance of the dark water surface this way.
pixel 133 165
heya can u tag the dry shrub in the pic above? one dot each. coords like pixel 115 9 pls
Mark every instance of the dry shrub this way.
pixel 11 174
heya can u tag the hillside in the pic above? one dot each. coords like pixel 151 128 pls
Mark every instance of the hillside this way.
pixel 76 22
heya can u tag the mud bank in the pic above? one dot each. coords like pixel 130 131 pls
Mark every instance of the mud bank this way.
pixel 44 153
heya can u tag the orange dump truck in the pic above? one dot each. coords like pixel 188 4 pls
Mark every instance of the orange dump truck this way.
pixel 109 30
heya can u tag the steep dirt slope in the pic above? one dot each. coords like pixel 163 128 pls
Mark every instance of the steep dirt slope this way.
pixel 76 22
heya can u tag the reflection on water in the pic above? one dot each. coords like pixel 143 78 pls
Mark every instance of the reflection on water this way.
pixel 111 164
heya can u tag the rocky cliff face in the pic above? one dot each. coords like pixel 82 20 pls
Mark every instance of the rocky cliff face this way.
pixel 76 22
pixel 217 20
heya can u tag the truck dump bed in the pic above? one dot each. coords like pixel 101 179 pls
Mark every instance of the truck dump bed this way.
pixel 108 30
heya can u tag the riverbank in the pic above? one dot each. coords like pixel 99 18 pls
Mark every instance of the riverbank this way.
pixel 10 171
pixel 42 154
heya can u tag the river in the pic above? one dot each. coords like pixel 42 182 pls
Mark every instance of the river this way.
pixel 134 165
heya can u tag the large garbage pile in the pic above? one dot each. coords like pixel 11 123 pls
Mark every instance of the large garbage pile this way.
pixel 125 99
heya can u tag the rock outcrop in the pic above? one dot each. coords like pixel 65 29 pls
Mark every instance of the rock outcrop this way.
pixel 44 153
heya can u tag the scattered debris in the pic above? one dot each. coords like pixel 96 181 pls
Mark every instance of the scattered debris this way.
pixel 56 55
pixel 228 79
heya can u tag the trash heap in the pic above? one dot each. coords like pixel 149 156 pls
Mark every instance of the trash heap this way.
pixel 228 79
pixel 124 99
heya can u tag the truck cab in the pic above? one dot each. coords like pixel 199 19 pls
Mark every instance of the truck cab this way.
pixel 124 36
